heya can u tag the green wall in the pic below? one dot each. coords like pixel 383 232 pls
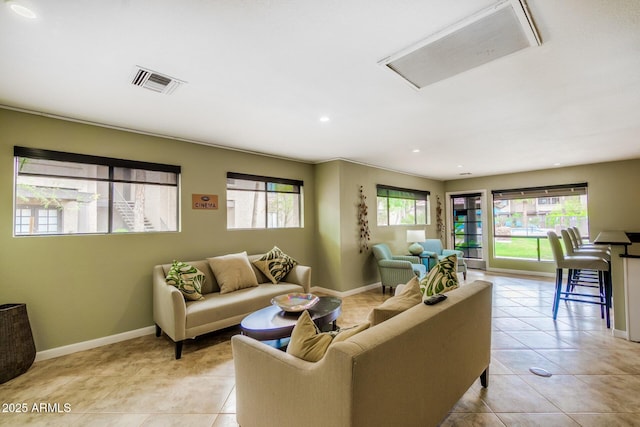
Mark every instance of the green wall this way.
pixel 338 182
pixel 79 288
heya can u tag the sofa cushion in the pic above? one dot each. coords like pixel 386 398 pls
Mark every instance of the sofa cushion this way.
pixel 275 264
pixel 218 307
pixel 187 279
pixel 441 278
pixel 408 297
pixel 233 272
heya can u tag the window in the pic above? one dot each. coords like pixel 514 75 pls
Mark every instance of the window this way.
pixel 522 218
pixel 65 193
pixel 401 206
pixel 263 202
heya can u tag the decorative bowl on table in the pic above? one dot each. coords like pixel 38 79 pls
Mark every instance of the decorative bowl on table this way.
pixel 294 303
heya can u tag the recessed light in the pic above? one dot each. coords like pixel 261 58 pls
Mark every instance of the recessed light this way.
pixel 23 11
pixel 459 166
pixel 557 164
pixel 324 119
pixel 415 150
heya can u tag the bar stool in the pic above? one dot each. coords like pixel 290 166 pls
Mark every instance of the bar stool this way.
pixel 574 232
pixel 587 277
pixel 581 263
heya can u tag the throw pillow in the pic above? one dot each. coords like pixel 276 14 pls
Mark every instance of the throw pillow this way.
pixel 347 333
pixel 408 297
pixel 441 278
pixel 275 264
pixel 307 342
pixel 187 279
pixel 233 272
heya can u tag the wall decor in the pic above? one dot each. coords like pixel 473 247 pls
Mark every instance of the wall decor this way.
pixel 363 222
pixel 439 223
pixel 204 201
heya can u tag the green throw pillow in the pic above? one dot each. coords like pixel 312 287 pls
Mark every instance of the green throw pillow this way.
pixel 187 279
pixel 441 278
pixel 275 264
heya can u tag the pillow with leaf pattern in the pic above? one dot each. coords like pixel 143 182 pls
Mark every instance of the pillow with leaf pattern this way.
pixel 187 279
pixel 275 264
pixel 441 278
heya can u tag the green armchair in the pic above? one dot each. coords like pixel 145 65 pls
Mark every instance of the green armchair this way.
pixel 396 269
pixel 434 253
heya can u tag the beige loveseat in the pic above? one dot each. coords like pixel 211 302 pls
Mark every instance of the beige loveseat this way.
pixel 181 319
pixel 407 371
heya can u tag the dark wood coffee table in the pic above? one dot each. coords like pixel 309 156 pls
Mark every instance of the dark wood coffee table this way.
pixel 273 324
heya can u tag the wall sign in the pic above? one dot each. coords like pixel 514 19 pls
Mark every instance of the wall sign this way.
pixel 204 201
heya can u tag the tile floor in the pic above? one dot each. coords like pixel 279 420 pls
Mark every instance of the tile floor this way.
pixel 595 382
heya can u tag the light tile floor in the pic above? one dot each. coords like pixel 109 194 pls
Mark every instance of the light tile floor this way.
pixel 595 381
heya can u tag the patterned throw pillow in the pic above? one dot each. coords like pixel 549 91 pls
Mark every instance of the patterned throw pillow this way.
pixel 275 264
pixel 441 278
pixel 187 279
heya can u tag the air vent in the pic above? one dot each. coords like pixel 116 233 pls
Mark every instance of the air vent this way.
pixel 155 81
pixel 485 36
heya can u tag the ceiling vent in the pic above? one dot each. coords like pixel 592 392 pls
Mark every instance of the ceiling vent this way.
pixel 155 81
pixel 487 35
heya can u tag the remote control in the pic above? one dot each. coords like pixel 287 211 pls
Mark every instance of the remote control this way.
pixel 435 299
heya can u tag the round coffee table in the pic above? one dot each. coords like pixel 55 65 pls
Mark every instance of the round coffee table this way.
pixel 271 323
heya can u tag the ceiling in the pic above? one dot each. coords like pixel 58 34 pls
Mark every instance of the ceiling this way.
pixel 260 73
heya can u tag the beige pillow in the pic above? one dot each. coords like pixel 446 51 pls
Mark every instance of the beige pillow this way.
pixel 407 298
pixel 233 272
pixel 347 333
pixel 441 278
pixel 308 343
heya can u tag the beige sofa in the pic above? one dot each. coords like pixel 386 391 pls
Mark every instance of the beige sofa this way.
pixel 407 371
pixel 181 319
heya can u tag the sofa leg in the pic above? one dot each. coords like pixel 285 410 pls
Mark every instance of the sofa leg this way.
pixel 158 331
pixel 179 349
pixel 484 378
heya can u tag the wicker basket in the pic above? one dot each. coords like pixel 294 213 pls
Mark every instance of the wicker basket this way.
pixel 17 349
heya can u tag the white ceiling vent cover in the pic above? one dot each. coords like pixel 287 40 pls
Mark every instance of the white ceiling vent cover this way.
pixel 485 36
pixel 155 81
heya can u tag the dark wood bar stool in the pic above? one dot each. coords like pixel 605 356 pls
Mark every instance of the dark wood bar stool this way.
pixel 576 266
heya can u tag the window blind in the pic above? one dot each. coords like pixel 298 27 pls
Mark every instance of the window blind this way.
pixel 536 192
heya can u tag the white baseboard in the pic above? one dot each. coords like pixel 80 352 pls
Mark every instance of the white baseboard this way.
pixel 520 272
pixel 98 342
pixel 620 334
pixel 348 293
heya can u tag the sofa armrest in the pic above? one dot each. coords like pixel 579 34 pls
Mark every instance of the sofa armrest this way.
pixel 300 275
pixel 447 252
pixel 289 386
pixel 411 259
pixel 169 308
pixel 394 263
pixel 429 254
